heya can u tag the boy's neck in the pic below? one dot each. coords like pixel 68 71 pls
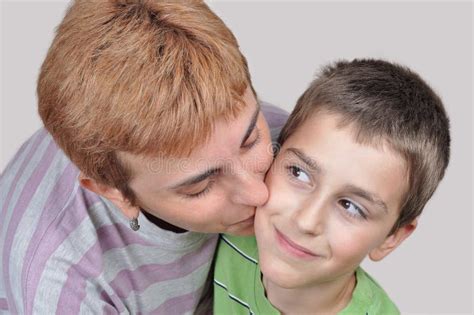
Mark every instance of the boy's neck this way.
pixel 327 298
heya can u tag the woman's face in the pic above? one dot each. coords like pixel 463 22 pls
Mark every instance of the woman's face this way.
pixel 216 189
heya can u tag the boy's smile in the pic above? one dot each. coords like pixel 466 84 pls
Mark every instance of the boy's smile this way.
pixel 293 249
pixel 332 202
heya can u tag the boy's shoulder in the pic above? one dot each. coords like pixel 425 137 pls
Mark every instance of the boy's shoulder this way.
pixel 238 288
pixel 244 247
pixel 369 297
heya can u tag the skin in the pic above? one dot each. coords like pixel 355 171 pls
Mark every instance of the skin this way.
pixel 332 202
pixel 215 190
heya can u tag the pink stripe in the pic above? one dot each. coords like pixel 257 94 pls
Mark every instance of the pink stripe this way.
pixel 91 265
pixel 110 310
pixel 25 197
pixel 179 304
pixel 58 197
pixel 67 221
pixel 138 280
pixel 41 135
pixel 110 300
pixel 3 304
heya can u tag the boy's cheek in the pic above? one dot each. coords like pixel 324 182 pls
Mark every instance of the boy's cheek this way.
pixel 272 177
pixel 280 197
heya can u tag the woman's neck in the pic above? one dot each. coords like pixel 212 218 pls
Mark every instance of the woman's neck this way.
pixel 162 224
pixel 325 298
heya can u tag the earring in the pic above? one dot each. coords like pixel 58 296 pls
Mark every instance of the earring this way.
pixel 134 224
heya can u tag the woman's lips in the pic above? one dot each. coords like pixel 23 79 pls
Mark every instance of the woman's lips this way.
pixel 293 248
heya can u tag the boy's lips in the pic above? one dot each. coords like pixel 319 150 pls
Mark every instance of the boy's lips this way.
pixel 289 246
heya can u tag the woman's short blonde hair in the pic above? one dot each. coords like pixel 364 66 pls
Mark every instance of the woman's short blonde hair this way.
pixel 142 77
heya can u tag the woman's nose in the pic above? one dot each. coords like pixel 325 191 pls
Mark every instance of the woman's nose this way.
pixel 250 189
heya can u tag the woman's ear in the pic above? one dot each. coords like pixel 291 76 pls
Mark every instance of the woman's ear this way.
pixel 113 194
pixel 392 241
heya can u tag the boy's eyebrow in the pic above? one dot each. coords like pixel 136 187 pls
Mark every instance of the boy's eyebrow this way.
pixel 368 196
pixel 351 188
pixel 252 124
pixel 306 159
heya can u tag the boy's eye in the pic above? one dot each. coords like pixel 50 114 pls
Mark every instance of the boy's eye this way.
pixel 252 140
pixel 352 209
pixel 299 174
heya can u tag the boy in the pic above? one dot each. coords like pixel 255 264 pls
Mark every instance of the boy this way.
pixel 361 154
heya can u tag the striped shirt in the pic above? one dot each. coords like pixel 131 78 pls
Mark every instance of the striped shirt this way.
pixel 66 250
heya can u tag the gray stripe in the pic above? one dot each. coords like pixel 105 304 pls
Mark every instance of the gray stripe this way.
pixel 144 255
pixel 57 268
pixel 159 292
pixel 28 171
pixel 6 183
pixel 29 220
pixel 11 170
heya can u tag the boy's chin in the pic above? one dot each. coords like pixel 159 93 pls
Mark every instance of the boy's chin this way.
pixel 280 276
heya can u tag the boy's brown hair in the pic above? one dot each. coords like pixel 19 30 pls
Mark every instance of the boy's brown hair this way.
pixel 142 77
pixel 384 102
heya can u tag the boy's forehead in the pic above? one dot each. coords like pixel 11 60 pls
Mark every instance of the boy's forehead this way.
pixel 321 127
pixel 357 133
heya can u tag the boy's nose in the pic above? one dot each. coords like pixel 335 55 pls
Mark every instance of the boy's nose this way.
pixel 310 219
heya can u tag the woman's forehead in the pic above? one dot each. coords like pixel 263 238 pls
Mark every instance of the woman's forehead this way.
pixel 221 150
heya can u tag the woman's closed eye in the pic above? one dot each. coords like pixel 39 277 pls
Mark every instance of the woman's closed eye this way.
pixel 199 189
pixel 252 140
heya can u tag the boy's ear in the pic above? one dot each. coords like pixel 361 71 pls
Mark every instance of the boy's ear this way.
pixel 392 241
pixel 112 194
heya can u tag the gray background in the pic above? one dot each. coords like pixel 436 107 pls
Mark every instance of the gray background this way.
pixel 285 43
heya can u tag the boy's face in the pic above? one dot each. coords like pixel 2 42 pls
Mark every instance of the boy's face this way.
pixel 332 202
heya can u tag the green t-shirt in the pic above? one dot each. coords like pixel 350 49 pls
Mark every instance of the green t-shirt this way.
pixel 238 288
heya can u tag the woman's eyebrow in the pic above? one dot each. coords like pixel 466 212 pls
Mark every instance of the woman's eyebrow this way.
pixel 202 176
pixel 197 178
